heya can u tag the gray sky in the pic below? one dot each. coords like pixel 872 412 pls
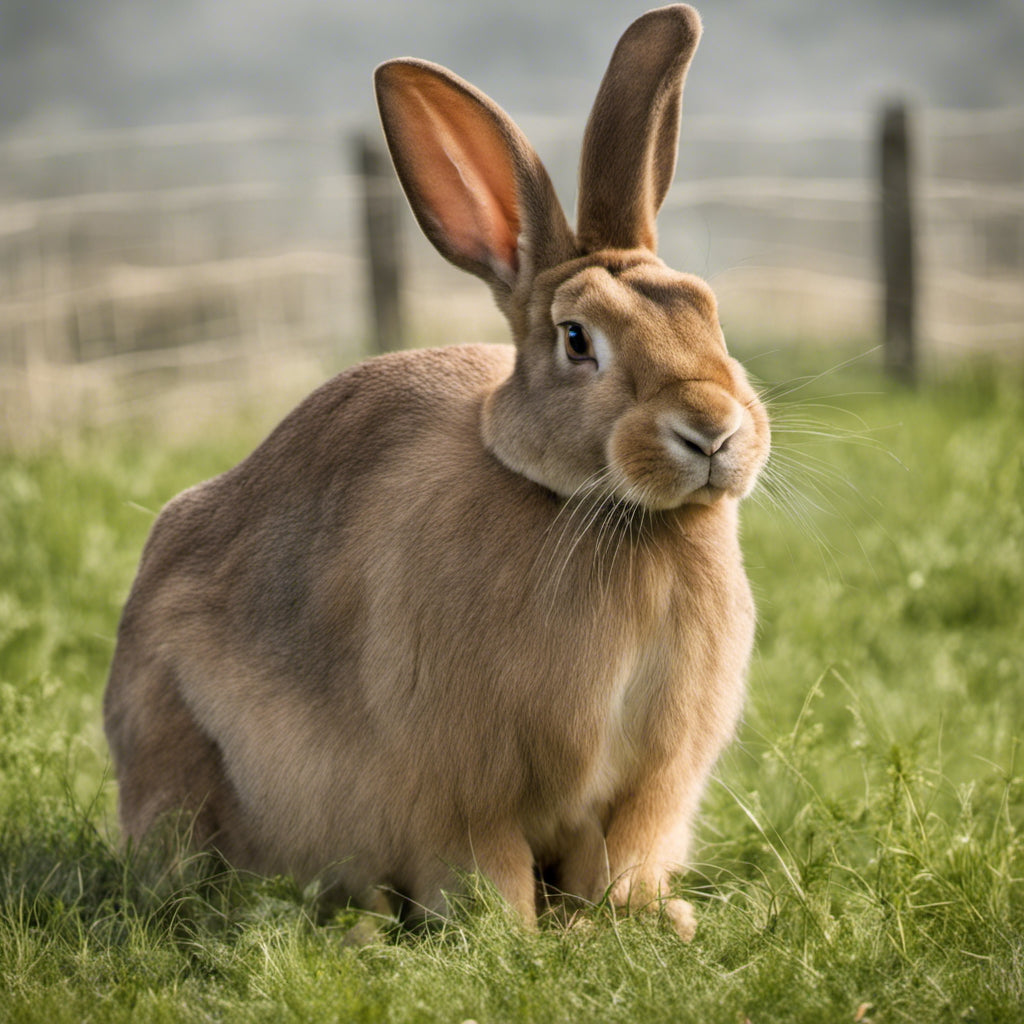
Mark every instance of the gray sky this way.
pixel 69 64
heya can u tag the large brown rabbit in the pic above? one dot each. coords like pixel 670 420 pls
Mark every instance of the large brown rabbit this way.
pixel 482 607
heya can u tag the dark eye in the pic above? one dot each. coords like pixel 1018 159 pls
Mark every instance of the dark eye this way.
pixel 578 346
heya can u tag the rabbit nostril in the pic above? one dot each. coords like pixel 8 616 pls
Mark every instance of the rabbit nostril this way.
pixel 699 444
pixel 694 440
pixel 702 444
pixel 698 447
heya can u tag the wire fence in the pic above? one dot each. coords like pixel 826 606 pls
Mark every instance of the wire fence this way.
pixel 168 272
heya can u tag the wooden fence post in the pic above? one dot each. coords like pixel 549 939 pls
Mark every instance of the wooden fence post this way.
pixel 382 211
pixel 896 216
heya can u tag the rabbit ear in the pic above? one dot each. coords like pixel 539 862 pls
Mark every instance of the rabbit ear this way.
pixel 476 186
pixel 629 149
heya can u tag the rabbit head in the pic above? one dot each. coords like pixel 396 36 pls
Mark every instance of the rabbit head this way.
pixel 622 383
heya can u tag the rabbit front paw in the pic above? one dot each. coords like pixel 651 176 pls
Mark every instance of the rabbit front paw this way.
pixel 681 916
pixel 632 894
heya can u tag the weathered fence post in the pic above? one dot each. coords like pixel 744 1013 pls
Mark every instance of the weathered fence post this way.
pixel 382 211
pixel 896 217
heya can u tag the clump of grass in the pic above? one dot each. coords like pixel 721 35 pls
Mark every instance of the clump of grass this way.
pixel 809 909
pixel 860 855
pixel 902 887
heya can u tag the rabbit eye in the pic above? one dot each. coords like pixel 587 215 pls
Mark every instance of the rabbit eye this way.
pixel 578 346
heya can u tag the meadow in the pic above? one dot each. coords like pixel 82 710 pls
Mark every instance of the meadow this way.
pixel 860 856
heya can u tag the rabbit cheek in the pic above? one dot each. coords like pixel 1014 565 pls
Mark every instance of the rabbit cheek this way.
pixel 644 470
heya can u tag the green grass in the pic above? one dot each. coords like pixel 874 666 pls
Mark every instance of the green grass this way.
pixel 860 855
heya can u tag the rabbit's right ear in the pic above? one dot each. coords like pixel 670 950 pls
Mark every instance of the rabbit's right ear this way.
pixel 476 186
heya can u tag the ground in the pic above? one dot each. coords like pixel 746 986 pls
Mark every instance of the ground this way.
pixel 859 856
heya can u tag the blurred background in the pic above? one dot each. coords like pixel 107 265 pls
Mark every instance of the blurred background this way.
pixel 183 205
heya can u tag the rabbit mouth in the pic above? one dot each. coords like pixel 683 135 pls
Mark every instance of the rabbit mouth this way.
pixel 709 494
pixel 660 473
pixel 671 488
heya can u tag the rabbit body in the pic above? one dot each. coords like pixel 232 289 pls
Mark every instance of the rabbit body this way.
pixel 473 608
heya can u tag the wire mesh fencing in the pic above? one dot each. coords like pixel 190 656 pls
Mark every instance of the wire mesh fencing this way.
pixel 171 272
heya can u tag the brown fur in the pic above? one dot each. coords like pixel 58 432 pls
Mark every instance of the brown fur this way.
pixel 476 607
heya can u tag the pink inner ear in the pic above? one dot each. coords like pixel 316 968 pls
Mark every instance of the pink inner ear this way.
pixel 460 168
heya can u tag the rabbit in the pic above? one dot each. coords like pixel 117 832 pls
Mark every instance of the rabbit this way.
pixel 479 608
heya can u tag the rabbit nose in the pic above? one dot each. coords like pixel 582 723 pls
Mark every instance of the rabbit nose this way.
pixel 706 441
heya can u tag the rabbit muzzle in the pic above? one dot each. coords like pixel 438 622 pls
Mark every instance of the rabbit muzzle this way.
pixel 696 445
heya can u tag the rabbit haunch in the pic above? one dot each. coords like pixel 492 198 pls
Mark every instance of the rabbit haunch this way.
pixel 476 608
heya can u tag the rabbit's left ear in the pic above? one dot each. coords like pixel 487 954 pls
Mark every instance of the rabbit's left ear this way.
pixel 629 148
pixel 476 186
